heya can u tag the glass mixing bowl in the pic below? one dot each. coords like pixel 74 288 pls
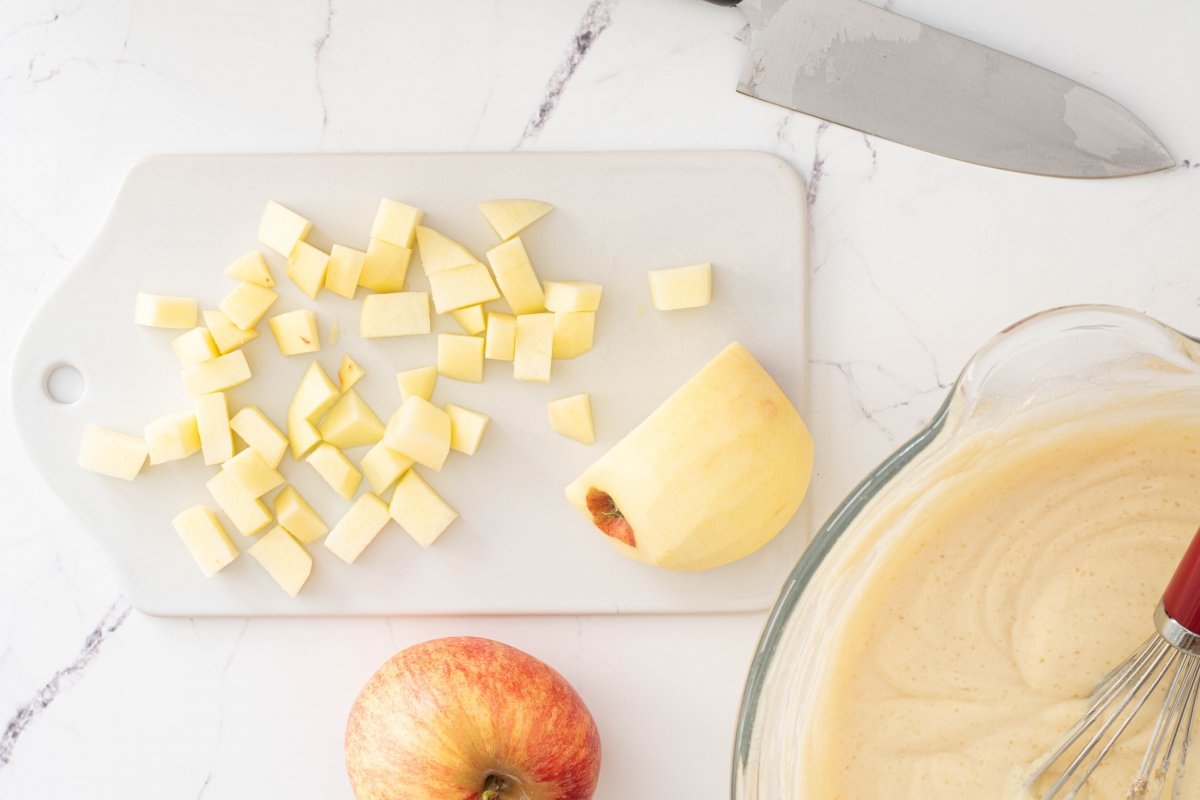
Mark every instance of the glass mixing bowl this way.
pixel 1078 357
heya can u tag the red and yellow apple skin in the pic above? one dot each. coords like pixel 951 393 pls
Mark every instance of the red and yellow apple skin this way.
pixel 466 718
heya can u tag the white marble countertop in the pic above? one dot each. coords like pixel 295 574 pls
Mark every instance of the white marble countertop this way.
pixel 915 261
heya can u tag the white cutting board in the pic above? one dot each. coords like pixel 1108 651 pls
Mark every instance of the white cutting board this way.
pixel 518 547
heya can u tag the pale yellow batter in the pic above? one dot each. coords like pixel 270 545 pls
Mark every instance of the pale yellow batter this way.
pixel 993 598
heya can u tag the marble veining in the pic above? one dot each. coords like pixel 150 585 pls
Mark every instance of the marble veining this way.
pixel 318 52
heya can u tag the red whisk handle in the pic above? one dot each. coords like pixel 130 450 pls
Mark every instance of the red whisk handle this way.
pixel 1182 599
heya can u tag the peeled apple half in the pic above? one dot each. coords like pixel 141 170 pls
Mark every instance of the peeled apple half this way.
pixel 710 477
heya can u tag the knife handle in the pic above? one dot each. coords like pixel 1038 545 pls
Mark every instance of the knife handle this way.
pixel 725 2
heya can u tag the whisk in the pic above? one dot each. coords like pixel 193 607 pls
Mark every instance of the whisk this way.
pixel 1170 658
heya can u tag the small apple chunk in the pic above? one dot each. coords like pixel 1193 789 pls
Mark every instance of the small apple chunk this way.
pixel 316 393
pixel 281 229
pixel 221 373
pixel 418 509
pixel 462 286
pixel 246 304
pixel 172 437
pixel 247 513
pixel 396 222
pixel 385 267
pixel 466 428
pixel 421 431
pixel 418 382
pixel 345 269
pixel 332 465
pixel 460 357
pixel 194 347
pixel 212 423
pixel 252 267
pixel 681 287
pixel 227 336
pixel 260 434
pixel 253 474
pixel 394 314
pixel 117 455
pixel 349 373
pixel 440 253
pixel 382 466
pixel 471 319
pixel 573 333
pixel 534 347
pixel 296 332
pixel 283 558
pixel 572 417
pixel 710 477
pixel 303 436
pixel 163 311
pixel 358 528
pixel 306 266
pixel 510 217
pixel 297 517
pixel 501 337
pixel 514 273
pixel 205 539
pixel 572 295
pixel 351 423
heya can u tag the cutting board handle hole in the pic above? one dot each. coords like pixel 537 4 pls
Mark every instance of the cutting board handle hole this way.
pixel 64 384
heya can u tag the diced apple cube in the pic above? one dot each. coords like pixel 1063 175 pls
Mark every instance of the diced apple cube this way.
pixel 253 474
pixel 332 465
pixel 510 217
pixel 460 357
pixel 462 286
pixel 573 332
pixel 297 517
pixel 382 466
pixel 227 336
pixel 194 347
pixel 260 434
pixel 172 437
pixel 205 539
pixel 514 273
pixel 296 332
pixel 471 319
pixel 440 253
pixel 283 558
pixel 221 373
pixel 385 267
pixel 303 436
pixel 681 287
pixel 246 304
pixel 358 528
pixel 534 347
pixel 345 269
pixel 281 229
pixel 421 431
pixel 418 509
pixel 394 314
pixel 163 311
pixel 247 513
pixel 349 373
pixel 501 336
pixel 417 382
pixel 466 428
pixel 306 266
pixel 572 417
pixel 212 423
pixel 572 295
pixel 396 222
pixel 316 393
pixel 351 423
pixel 335 332
pixel 252 267
pixel 117 455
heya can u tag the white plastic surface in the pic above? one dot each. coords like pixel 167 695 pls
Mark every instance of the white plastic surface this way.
pixel 518 546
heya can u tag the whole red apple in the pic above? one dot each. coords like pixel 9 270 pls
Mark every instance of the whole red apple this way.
pixel 470 719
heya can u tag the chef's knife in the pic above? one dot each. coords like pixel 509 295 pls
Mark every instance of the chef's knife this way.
pixel 857 65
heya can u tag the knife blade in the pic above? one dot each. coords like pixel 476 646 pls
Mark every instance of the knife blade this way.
pixel 857 65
